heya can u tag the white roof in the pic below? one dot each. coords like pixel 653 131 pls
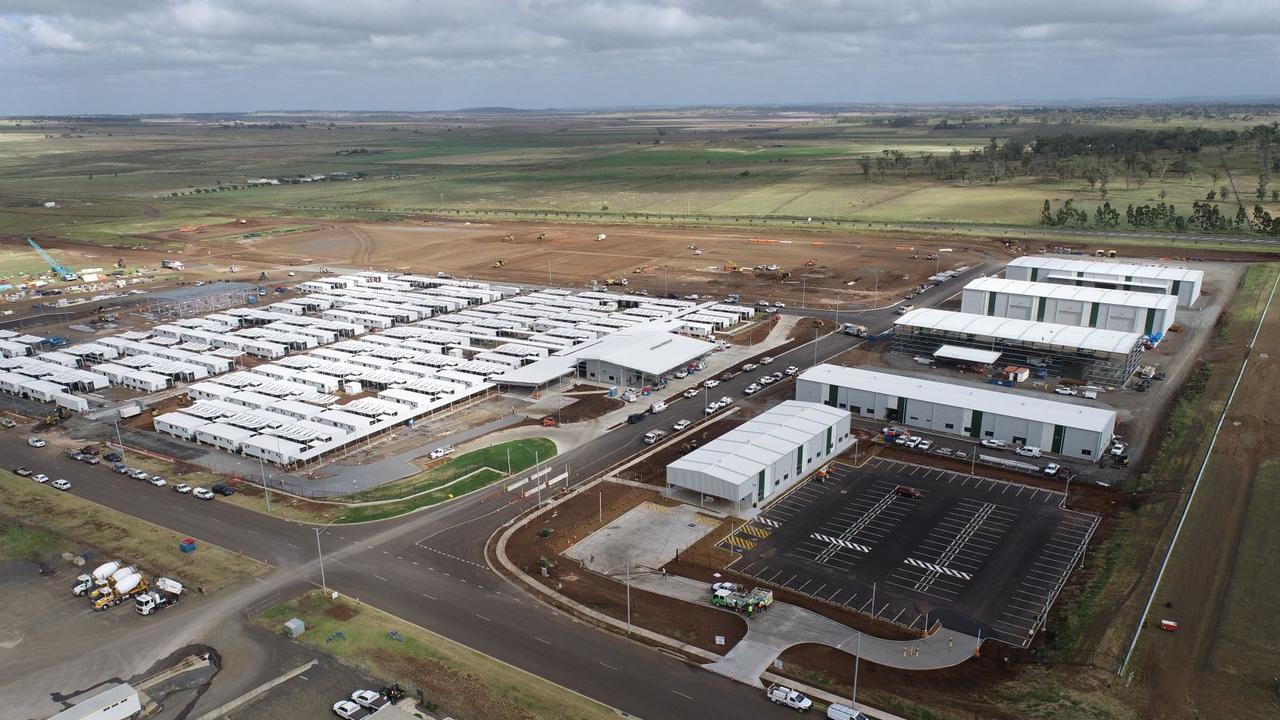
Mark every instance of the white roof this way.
pixel 968 354
pixel 1118 269
pixel 997 402
pixel 1070 336
pixel 650 348
pixel 90 707
pixel 1072 292
pixel 182 420
pixel 740 454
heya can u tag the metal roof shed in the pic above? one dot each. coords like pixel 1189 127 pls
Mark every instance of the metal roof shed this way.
pixel 220 435
pixel 965 354
pixel 179 424
pixel 116 702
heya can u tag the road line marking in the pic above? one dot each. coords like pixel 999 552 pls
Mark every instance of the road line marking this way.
pixel 429 597
pixel 686 697
pixel 382 578
pixel 535 637
pixel 484 618
pixel 606 665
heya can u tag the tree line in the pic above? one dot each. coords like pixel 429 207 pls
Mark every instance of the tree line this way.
pixel 1204 217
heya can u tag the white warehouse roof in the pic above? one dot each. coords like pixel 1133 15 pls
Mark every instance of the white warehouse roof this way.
pixel 1167 303
pixel 737 456
pixel 1117 269
pixel 996 402
pixel 968 354
pixel 1072 336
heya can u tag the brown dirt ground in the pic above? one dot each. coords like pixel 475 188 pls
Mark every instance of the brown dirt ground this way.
pixel 661 255
pixel 1188 676
pixel 692 624
pixel 588 407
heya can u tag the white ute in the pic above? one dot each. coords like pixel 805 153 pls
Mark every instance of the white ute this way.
pixel 163 593
pixel 441 452
pixel 782 695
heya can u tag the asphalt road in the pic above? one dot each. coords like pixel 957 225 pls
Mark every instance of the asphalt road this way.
pixel 429 567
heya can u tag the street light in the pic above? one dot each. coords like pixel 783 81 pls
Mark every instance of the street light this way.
pixel 320 552
pixel 119 442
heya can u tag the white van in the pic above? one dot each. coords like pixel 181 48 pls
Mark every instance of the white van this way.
pixel 836 711
pixel 1028 451
pixel 657 407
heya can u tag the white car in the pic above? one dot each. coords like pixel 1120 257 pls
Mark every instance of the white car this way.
pixel 779 304
pixel 1119 449
pixel 791 370
pixel 40 478
pixel 1028 451
pixel 712 408
pixel 993 444
pixel 751 389
pixel 762 303
pixel 440 452
pixel 710 383
pixel 202 493
pixel 36 442
pixel 749 367
pixel 913 441
pixel 1051 469
pixel 766 380
pixel 60 484
pixel 140 475
pixel 349 710
pixel 766 359
pixel 726 401
pixel 924 445
pixel 368 699
pixel 182 488
pixel 1065 390
pixel 680 374
pixel 680 425
pixel 690 393
pixel 157 481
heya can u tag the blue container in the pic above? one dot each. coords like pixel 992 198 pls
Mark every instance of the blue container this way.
pixel 187 546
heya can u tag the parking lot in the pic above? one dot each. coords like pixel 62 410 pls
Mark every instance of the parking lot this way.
pixel 914 544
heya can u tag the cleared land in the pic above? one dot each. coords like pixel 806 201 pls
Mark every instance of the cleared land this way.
pixel 41 522
pixel 453 678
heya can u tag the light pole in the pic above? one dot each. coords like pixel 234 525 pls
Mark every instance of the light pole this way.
pixel 320 553
pixel 262 467
pixel 803 283
pixel 857 657
pixel 119 442
pixel 628 594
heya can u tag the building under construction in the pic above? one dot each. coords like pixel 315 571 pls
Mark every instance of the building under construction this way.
pixel 192 301
pixel 1099 357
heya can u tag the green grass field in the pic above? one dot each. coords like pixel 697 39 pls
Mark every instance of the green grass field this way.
pixel 117 183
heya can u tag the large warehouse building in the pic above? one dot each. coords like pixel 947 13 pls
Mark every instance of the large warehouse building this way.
pixel 765 455
pixel 1131 312
pixel 1103 357
pixel 1067 429
pixel 1182 283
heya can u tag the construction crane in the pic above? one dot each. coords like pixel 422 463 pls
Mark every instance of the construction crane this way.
pixel 58 268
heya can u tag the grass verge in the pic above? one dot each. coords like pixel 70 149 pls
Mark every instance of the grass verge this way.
pixel 454 679
pixel 40 520
pixel 512 457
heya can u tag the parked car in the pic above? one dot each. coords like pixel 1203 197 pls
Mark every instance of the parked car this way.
pixel 121 468
pixel 157 481
pixel 440 452
pixel 36 442
pixel 349 710
pixel 369 699
pixel 766 359
pixel 766 380
pixel 836 711
pixel 1051 469
pixel 75 455
pixel 913 441
pixel 1028 451
pixel 762 303
pixel 924 445
pixel 1066 390
pixel 90 459
pixel 7 422
pixel 691 392
pixel 782 695
pixel 182 488
pixel 710 383
pixel 680 374
pixel 791 370
pixel 726 401
pixel 22 471
pixel 223 489
pixel 776 376
pixel 113 457
pixel 779 304
pixel 634 418
pixel 908 492
pixel 993 444
pixel 654 436
pixel 139 474
pixel 751 389
pixel 680 425
pixel 202 493
pixel 60 484
pixel 40 478
pixel 711 409
pixel 1119 448
pixel 749 367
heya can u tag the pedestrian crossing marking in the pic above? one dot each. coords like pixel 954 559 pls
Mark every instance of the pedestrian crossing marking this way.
pixel 938 569
pixel 739 542
pixel 767 521
pixel 756 531
pixel 841 543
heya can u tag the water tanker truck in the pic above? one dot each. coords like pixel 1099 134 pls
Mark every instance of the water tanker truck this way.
pixel 163 594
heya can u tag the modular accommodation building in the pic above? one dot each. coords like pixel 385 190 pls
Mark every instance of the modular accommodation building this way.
pixel 1070 429
pixel 1131 312
pixel 1179 282
pixel 765 455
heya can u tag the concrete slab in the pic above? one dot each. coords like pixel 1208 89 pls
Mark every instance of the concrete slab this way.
pixel 648 535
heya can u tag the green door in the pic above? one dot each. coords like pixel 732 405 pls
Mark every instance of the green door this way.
pixel 832 392
pixel 991 303
pixel 1093 315
pixel 1151 321
pixel 975 424
pixel 828 440
pixel 1034 273
pixel 1177 287
pixel 1040 303
pixel 799 460
pixel 902 409
pixel 1058 432
pixel 760 487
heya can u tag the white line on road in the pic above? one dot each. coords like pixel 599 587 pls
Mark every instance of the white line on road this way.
pixel 686 697
pixel 382 578
pixel 484 618
pixel 544 642
pixel 429 597
pixel 606 665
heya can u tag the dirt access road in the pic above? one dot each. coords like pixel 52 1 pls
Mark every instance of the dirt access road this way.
pixel 845 266
pixel 1221 586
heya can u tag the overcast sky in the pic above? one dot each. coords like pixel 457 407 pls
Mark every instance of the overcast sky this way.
pixel 141 56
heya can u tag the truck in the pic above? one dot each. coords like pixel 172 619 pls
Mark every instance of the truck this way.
pixel 735 597
pixel 118 591
pixel 89 581
pixel 163 594
pixel 172 265
pixel 783 695
pixel 854 329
